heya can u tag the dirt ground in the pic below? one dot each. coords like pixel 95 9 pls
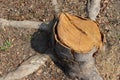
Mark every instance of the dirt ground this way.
pixel 15 45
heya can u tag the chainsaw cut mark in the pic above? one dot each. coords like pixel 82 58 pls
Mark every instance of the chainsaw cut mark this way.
pixel 75 25
pixel 78 34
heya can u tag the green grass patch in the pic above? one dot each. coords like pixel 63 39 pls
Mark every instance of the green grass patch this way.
pixel 6 45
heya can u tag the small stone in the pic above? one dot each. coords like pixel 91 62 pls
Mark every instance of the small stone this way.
pixel 0 72
pixel 39 72
pixel 58 70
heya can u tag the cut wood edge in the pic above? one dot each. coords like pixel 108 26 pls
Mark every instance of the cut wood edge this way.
pixel 77 33
pixel 28 67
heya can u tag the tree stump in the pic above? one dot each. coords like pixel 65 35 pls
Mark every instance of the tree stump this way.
pixel 76 39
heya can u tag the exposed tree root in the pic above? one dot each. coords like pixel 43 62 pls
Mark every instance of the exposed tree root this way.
pixel 93 8
pixel 27 67
pixel 20 24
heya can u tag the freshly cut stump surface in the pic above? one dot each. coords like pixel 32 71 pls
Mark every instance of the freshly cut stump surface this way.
pixel 78 34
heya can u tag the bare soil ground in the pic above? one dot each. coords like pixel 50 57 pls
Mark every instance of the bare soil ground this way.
pixel 15 45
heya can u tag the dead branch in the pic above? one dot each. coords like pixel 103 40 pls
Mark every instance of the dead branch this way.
pixel 27 67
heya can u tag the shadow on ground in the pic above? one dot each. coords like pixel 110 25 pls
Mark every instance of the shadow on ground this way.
pixel 41 42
